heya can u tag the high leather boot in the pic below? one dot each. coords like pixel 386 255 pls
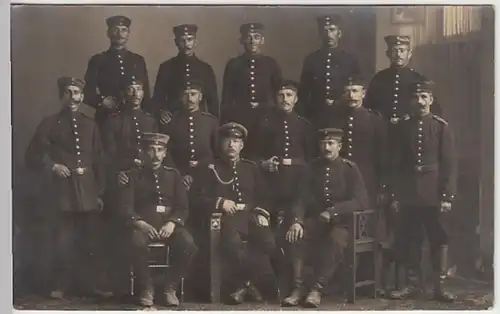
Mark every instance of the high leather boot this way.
pixel 147 295
pixel 440 277
pixel 298 289
pixel 238 296
pixel 411 288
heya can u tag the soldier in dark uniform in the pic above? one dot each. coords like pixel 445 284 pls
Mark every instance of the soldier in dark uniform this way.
pixel 234 186
pixel 365 143
pixel 154 207
pixel 324 71
pixel 176 72
pixel 389 91
pixel 333 189
pixel 67 146
pixel 107 70
pixel 287 143
pixel 193 133
pixel 250 83
pixel 425 174
pixel 122 144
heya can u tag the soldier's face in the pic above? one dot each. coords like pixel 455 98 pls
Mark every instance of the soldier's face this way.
pixel 399 55
pixel 134 95
pixel 252 42
pixel 186 43
pixel 287 98
pixel 331 35
pixel 191 99
pixel 422 103
pixel 72 97
pixel 118 34
pixel 354 95
pixel 330 148
pixel 155 153
pixel 232 146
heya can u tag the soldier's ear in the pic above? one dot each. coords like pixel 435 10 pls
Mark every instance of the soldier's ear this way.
pixel 263 40
pixel 409 53
pixel 388 53
pixel 340 33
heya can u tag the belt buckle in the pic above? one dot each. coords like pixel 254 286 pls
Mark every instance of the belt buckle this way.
pixel 287 161
pixel 193 163
pixel 80 171
pixel 394 120
pixel 240 206
pixel 254 104
pixel 160 208
pixel 419 168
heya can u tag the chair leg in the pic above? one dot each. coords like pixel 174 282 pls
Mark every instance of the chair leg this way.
pixel 131 282
pixel 351 275
pixel 376 269
pixel 182 290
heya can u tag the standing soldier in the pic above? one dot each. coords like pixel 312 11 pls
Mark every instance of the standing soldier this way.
pixel 333 189
pixel 154 208
pixel 389 91
pixel 122 144
pixel 178 71
pixel 324 71
pixel 193 133
pixel 250 83
pixel 107 70
pixel 234 187
pixel 68 146
pixel 365 143
pixel 285 147
pixel 425 177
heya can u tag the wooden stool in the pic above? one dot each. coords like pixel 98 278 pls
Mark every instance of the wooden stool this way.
pixel 362 238
pixel 159 258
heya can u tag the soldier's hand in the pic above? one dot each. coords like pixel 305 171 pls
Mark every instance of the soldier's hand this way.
pixel 167 230
pixel 229 207
pixel 294 233
pixel 165 117
pixel 109 102
pixel 122 178
pixel 187 180
pixel 395 206
pixel 262 221
pixel 147 229
pixel 325 217
pixel 61 171
pixel 445 207
pixel 271 165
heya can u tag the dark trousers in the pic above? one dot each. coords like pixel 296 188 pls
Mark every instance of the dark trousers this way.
pixel 324 245
pixel 78 253
pixel 182 249
pixel 250 259
pixel 414 219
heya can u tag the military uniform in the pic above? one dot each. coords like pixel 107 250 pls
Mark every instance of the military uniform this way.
pixel 240 181
pixel 336 187
pixel 324 72
pixel 157 196
pixel 289 137
pixel 389 91
pixel 72 139
pixel 249 86
pixel 425 174
pixel 193 139
pixel 107 70
pixel 175 72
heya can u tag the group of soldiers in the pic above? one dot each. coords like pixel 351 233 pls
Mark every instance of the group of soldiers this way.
pixel 307 154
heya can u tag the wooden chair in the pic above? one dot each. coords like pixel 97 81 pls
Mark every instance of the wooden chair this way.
pixel 159 258
pixel 362 239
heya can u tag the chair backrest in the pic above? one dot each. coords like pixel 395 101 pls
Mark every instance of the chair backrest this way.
pixel 364 225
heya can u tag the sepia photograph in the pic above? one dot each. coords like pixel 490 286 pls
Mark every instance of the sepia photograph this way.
pixel 252 157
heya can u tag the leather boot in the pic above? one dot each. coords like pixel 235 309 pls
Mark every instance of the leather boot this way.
pixel 411 288
pixel 253 293
pixel 313 299
pixel 238 296
pixel 298 290
pixel 441 274
pixel 385 288
pixel 147 295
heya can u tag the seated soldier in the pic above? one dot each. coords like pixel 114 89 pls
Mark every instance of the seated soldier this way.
pixel 153 204
pixel 234 186
pixel 333 189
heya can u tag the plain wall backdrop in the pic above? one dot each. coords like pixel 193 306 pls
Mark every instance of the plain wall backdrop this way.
pixel 51 41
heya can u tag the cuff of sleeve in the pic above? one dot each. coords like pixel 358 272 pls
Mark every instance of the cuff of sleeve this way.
pixel 263 212
pixel 177 221
pixel 447 197
pixel 298 220
pixel 218 203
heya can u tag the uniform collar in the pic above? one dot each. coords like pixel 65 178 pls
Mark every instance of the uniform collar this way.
pixel 117 51
pixel 186 57
pixel 131 110
pixel 331 162
pixel 229 162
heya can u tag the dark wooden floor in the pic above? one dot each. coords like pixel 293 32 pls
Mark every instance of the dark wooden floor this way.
pixel 471 296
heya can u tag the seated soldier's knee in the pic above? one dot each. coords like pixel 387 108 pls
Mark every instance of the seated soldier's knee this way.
pixel 296 250
pixel 188 244
pixel 139 239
